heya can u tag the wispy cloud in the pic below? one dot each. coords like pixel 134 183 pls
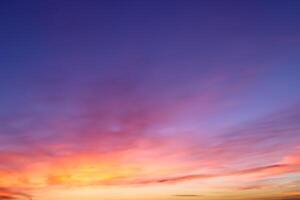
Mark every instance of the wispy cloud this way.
pixel 187 195
pixel 10 194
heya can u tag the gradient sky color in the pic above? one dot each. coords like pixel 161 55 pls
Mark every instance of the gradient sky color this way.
pixel 149 100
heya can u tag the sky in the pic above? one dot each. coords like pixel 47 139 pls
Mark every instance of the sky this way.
pixel 149 100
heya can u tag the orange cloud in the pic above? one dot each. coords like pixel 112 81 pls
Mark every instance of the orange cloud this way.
pixel 9 194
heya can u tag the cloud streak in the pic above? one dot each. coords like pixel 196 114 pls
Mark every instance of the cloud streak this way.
pixel 9 194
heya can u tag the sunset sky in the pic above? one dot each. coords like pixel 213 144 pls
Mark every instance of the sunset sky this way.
pixel 149 100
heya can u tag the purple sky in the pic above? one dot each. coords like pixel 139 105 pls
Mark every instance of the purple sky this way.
pixel 149 94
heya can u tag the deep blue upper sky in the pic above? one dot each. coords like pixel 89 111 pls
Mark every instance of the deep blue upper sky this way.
pixel 160 43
